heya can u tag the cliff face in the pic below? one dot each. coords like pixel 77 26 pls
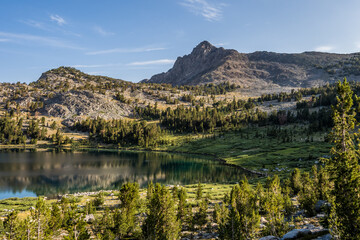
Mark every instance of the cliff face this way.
pixel 191 69
pixel 209 64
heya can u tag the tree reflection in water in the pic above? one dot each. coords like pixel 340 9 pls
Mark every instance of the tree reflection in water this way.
pixel 49 173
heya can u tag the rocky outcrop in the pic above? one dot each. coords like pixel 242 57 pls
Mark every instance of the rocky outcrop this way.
pixel 209 64
pixel 193 69
pixel 269 238
pixel 309 232
pixel 296 234
pixel 71 78
pixel 70 94
pixel 85 103
pixel 321 205
pixel 325 237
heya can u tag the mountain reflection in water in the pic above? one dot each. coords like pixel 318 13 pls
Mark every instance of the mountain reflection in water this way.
pixel 50 173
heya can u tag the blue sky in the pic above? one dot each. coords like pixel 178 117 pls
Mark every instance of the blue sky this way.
pixel 134 39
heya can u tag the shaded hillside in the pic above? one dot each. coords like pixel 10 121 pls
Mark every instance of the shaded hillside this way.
pixel 209 64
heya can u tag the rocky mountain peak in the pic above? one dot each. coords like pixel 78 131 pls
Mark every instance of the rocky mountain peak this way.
pixel 60 74
pixel 190 69
pixel 209 64
pixel 203 48
pixel 72 78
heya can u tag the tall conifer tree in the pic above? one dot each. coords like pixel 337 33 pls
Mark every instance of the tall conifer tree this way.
pixel 161 222
pixel 344 167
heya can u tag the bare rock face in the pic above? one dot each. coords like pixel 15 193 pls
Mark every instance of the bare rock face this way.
pixel 209 64
pixel 70 94
pixel 296 234
pixel 192 69
pixel 269 238
pixel 84 103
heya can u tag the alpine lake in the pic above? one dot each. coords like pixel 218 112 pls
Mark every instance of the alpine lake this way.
pixel 24 174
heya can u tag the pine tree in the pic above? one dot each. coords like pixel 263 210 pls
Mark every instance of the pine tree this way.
pixel 124 219
pixel 199 191
pixel 73 221
pixel 39 215
pixel 10 224
pixel 55 220
pixel 99 200
pixel 220 213
pixel 308 195
pixel 104 226
pixel 25 229
pixel 184 209
pixel 200 217
pixel 149 192
pixel 2 229
pixel 243 219
pixel 274 207
pixel 344 167
pixel 295 181
pixel 161 222
pixel 259 197
pixel 323 184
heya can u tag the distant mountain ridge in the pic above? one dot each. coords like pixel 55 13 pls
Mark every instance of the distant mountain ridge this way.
pixel 71 95
pixel 209 64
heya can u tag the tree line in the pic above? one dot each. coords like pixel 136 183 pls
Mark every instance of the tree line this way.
pixel 120 132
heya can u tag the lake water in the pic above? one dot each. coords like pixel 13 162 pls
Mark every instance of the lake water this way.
pixel 49 173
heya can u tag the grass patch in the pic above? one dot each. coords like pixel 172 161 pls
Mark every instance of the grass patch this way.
pixel 15 203
pixel 252 148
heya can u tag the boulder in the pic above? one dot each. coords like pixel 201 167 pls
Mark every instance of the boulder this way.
pixel 325 237
pixel 263 220
pixel 296 233
pixel 269 238
pixel 299 213
pixel 320 215
pixel 320 205
pixel 89 218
